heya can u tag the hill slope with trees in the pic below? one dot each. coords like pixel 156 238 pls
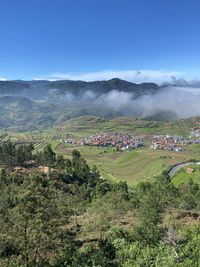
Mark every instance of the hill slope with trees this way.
pixel 72 217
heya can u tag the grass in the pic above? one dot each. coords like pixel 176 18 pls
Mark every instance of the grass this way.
pixel 193 151
pixel 182 176
pixel 134 166
pixel 88 125
pixel 137 165
pixel 54 144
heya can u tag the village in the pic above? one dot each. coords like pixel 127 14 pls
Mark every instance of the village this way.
pixel 109 139
pixel 126 142
pixel 174 143
pixel 195 133
pixel 167 142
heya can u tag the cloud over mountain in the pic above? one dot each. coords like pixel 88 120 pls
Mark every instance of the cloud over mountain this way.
pixel 46 103
pixel 178 102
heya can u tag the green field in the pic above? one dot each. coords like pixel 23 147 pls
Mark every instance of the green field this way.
pixel 131 166
pixel 141 164
pixel 87 125
pixel 182 176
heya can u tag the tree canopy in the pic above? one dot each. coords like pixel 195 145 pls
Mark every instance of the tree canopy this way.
pixel 73 217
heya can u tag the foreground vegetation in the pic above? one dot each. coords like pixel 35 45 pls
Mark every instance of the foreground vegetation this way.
pixel 73 217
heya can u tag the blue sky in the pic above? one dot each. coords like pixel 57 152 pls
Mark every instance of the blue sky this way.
pixel 97 39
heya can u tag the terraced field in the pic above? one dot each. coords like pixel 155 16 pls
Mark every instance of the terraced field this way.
pixel 40 145
pixel 134 166
pixel 87 125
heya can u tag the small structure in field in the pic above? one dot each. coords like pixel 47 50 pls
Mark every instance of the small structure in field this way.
pixel 189 170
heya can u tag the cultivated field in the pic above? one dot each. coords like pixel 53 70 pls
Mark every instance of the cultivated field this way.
pixel 131 166
pixel 87 125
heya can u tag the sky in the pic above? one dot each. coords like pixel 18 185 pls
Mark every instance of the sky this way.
pixel 137 40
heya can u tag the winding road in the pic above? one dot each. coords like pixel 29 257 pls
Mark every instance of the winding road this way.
pixel 177 167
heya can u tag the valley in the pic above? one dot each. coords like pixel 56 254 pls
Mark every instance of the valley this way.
pixel 141 164
pixel 99 133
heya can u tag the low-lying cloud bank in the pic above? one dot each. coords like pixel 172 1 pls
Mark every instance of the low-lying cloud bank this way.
pixel 183 102
pixel 2 79
pixel 177 97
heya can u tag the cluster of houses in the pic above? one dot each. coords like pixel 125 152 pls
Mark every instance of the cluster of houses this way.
pixel 109 139
pixel 167 142
pixel 195 133
pixel 174 143
pixel 127 142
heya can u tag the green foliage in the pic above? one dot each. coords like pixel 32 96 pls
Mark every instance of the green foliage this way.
pixel 73 217
pixel 13 155
pixel 46 157
pixel 33 225
pixel 136 254
pixel 102 254
pixel 190 195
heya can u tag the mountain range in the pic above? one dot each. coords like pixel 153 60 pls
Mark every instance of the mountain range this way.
pixel 35 104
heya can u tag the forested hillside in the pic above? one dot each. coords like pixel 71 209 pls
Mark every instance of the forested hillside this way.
pixel 70 216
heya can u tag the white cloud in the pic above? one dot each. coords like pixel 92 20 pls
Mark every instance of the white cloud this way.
pixel 137 76
pixel 2 79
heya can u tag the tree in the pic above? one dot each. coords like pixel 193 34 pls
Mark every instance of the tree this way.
pixel 75 156
pixel 12 154
pixel 47 156
pixel 3 177
pixel 60 161
pixel 150 215
pixel 36 223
